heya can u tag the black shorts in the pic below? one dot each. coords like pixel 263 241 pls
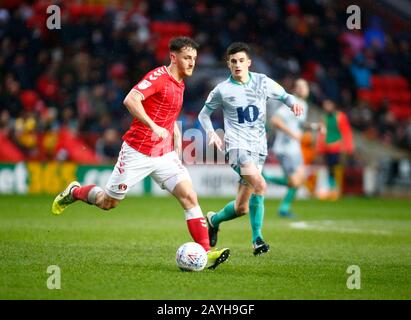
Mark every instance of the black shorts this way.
pixel 332 159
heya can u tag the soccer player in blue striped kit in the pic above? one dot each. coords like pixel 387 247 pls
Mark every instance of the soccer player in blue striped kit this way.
pixel 243 97
pixel 287 146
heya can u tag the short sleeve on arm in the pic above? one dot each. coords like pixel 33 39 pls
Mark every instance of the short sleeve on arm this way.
pixel 274 90
pixel 147 87
pixel 214 99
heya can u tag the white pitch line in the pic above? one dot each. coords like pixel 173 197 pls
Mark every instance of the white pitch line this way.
pixel 333 227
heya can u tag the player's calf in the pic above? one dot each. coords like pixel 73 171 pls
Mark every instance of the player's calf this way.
pixel 105 202
pixel 94 195
pixel 242 209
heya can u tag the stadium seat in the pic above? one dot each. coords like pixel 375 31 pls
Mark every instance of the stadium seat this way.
pixel 391 87
pixel 400 112
pixel 8 151
pixel 76 148
pixel 364 94
pixel 164 31
pixel 377 82
pixel 402 83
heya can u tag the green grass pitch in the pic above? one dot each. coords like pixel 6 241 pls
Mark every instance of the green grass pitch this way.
pixel 129 252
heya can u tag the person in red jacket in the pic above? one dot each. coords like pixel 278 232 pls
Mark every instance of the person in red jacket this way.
pixel 334 139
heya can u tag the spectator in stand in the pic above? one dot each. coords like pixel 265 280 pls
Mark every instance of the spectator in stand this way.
pixel 352 43
pixel 88 53
pixel 360 71
pixel 335 139
pixel 6 123
pixel 374 35
pixel 403 58
pixel 10 99
pixel 25 135
pixel 408 133
pixel 361 116
pixel 108 146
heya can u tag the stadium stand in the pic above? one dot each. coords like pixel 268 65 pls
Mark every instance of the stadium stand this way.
pixel 71 82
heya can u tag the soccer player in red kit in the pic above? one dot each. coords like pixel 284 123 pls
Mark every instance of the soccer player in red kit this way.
pixel 150 145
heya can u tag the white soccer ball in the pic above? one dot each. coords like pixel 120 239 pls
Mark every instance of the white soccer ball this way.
pixel 191 257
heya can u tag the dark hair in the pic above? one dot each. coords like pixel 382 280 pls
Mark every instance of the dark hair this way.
pixel 328 99
pixel 178 43
pixel 238 47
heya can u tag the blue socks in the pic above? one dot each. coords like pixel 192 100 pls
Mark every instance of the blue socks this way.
pixel 288 199
pixel 256 215
pixel 225 214
pixel 256 204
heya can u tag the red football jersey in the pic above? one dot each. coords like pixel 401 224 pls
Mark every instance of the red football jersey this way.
pixel 163 99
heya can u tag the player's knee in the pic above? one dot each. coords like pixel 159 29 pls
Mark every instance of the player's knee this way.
pixel 293 182
pixel 296 180
pixel 242 209
pixel 193 197
pixel 189 197
pixel 300 181
pixel 260 187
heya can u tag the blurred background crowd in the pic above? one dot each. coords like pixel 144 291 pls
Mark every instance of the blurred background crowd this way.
pixel 63 88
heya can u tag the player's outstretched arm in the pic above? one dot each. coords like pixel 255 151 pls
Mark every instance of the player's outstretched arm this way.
pixel 291 102
pixel 205 121
pixel 178 144
pixel 133 103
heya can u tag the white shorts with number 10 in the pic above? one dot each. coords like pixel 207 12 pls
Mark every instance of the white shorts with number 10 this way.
pixel 133 166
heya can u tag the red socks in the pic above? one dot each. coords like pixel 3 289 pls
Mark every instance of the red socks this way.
pixel 199 232
pixel 81 193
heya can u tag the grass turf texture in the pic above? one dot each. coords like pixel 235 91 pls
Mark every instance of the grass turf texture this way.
pixel 129 253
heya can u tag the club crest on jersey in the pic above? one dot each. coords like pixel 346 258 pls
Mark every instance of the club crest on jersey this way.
pixel 122 186
pixel 144 84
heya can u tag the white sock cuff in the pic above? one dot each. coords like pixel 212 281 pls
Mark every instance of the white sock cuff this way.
pixel 92 195
pixel 193 213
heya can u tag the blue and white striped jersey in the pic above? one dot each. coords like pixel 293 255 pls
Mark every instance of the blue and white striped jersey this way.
pixel 244 109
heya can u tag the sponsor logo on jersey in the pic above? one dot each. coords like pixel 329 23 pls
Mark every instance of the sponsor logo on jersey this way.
pixel 144 84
